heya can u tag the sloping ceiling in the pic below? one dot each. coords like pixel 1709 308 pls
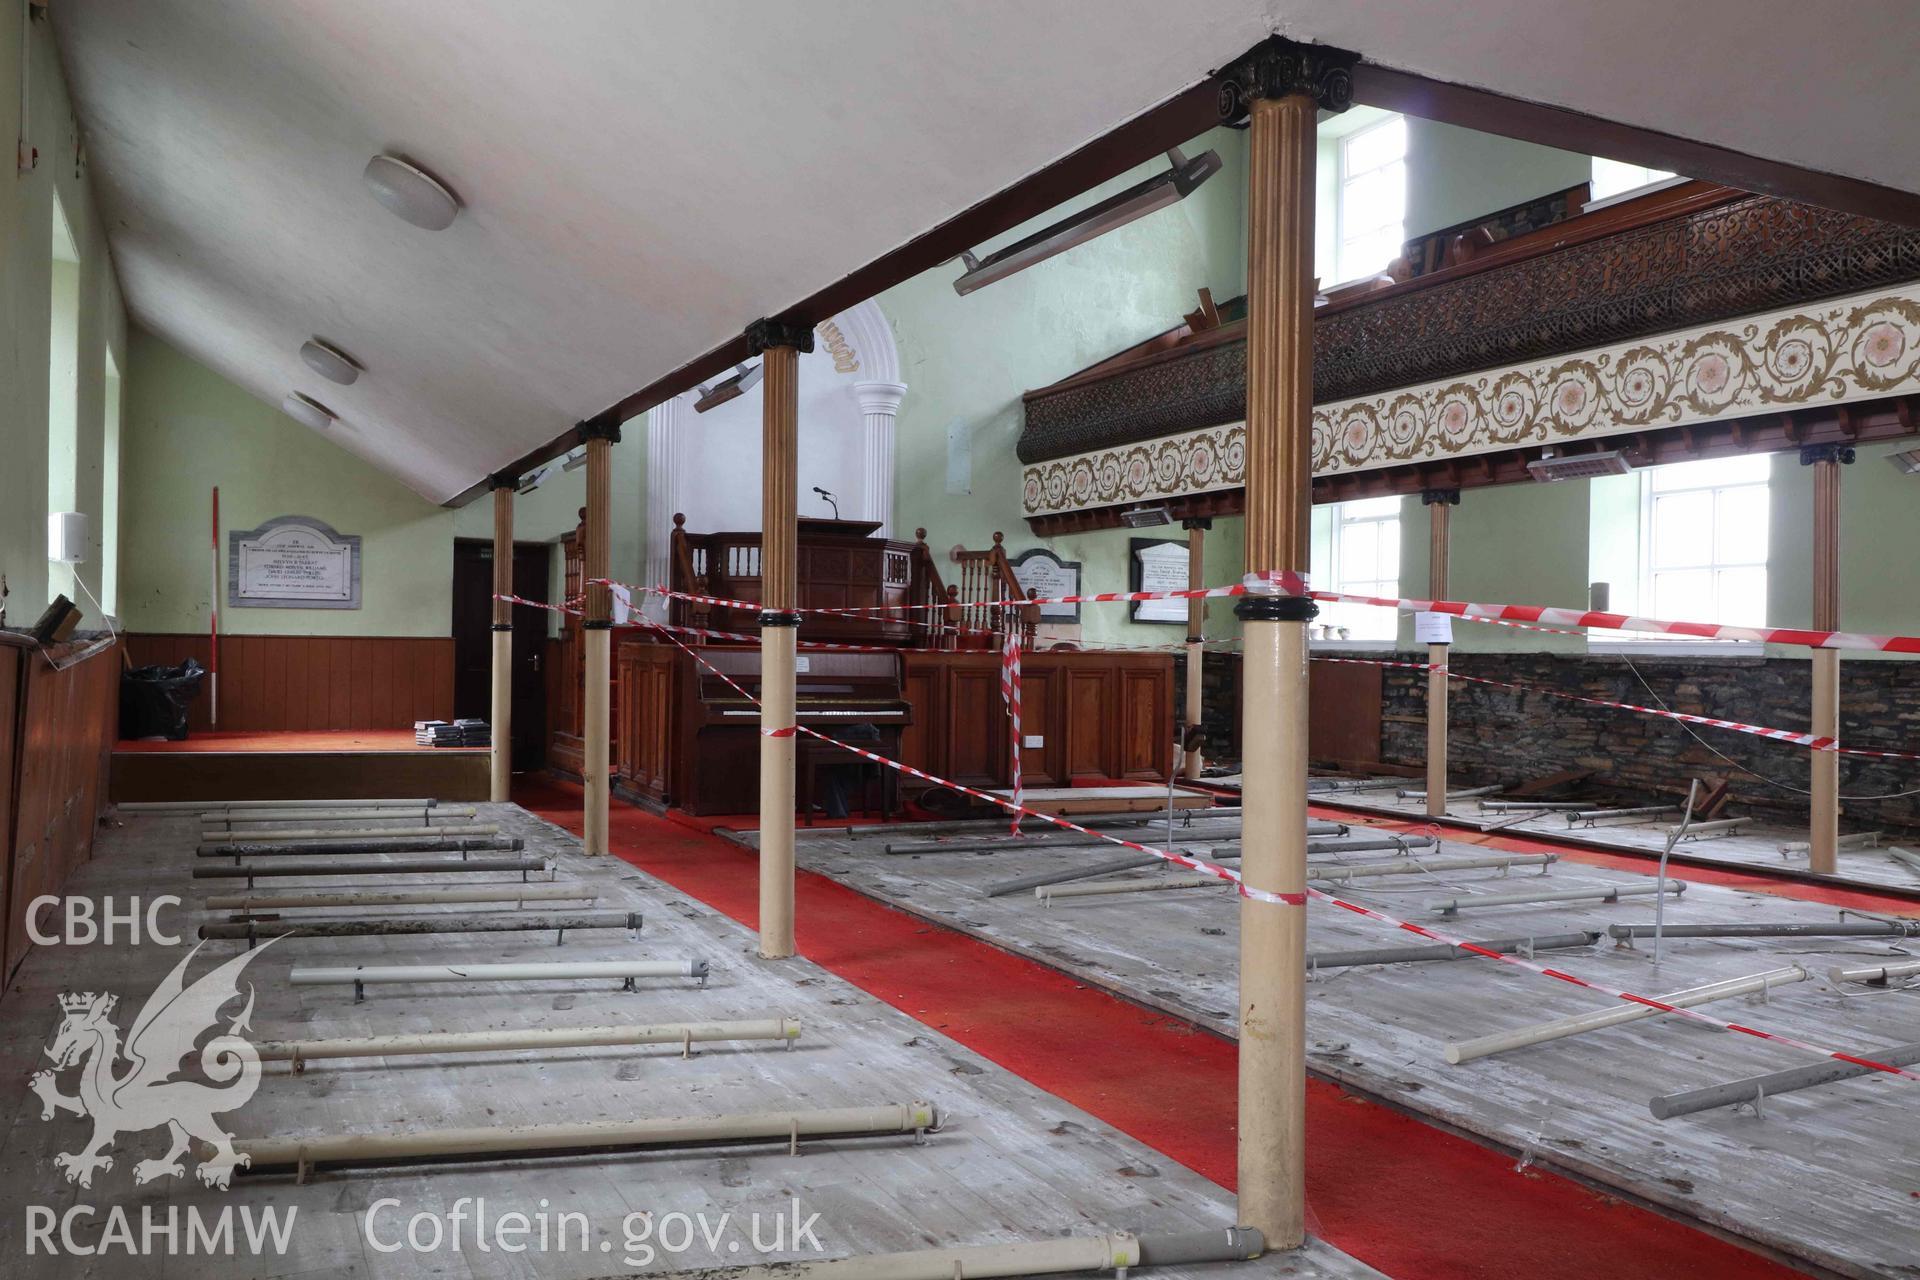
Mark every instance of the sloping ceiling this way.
pixel 642 179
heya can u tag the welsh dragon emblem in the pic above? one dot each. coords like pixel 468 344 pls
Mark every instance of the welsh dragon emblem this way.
pixel 150 1092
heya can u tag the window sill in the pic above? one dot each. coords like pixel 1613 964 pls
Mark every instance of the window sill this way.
pixel 1359 646
pixel 1599 648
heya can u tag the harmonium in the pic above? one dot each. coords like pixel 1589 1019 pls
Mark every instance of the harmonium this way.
pixel 691 740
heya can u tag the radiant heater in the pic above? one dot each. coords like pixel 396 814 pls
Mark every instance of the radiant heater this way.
pixel 1549 466
pixel 1146 517
pixel 1180 180
pixel 742 381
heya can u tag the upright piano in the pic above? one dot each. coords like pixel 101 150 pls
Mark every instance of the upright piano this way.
pixel 692 741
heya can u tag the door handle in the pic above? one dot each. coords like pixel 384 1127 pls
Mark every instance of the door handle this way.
pixel 534 658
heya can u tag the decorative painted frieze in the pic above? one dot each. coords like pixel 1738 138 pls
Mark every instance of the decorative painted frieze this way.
pixel 1858 348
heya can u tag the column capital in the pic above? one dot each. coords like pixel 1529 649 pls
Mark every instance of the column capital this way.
pixel 879 397
pixel 1277 67
pixel 503 480
pixel 1812 453
pixel 1439 497
pixel 764 334
pixel 601 426
pixel 1197 522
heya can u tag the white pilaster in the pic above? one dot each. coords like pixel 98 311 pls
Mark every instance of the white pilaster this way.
pixel 879 405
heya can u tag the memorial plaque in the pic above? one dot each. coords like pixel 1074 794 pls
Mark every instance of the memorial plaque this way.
pixel 1158 565
pixel 293 562
pixel 1048 575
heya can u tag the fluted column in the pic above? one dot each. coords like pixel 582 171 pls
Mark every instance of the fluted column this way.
pixel 1196 528
pixel 1824 804
pixel 599 435
pixel 879 405
pixel 500 778
pixel 1440 504
pixel 1281 85
pixel 780 345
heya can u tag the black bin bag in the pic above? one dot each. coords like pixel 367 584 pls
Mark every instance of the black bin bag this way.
pixel 154 700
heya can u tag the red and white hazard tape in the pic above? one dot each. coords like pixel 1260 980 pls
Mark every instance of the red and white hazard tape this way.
pixel 1017 810
pixel 1560 975
pixel 1813 742
pixel 1626 622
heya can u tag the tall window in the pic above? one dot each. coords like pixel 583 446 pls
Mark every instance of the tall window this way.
pixel 1703 541
pixel 1359 554
pixel 1372 198
pixel 63 384
pixel 1616 177
pixel 110 491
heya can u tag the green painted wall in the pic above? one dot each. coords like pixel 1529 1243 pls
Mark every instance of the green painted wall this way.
pixel 1879 529
pixel 1511 544
pixel 1457 174
pixel 26 290
pixel 188 429
pixel 552 511
pixel 966 360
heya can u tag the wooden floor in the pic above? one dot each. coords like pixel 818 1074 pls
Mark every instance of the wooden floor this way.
pixel 1828 1177
pixel 1752 848
pixel 1011 1162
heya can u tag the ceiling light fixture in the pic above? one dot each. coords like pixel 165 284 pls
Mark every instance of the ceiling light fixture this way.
pixel 1549 466
pixel 1137 201
pixel 742 381
pixel 330 361
pixel 307 411
pixel 410 192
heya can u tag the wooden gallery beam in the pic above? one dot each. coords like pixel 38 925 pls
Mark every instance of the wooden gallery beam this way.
pixel 600 435
pixel 1824 806
pixel 779 346
pixel 1196 709
pixel 1440 504
pixel 500 781
pixel 1281 87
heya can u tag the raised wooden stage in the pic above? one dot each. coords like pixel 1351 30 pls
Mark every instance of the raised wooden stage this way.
pixel 348 765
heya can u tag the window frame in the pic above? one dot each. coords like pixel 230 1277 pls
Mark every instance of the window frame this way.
pixel 1343 176
pixel 1629 642
pixel 1337 523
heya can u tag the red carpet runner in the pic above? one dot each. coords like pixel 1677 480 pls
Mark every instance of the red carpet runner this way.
pixel 1400 1195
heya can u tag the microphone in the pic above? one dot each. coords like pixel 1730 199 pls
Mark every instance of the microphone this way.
pixel 829 497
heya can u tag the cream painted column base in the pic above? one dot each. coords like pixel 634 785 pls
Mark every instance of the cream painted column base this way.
pixel 776 793
pixel 1436 732
pixel 500 780
pixel 599 708
pixel 1273 1083
pixel 1824 807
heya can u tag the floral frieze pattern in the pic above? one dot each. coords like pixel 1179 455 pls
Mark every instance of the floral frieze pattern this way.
pixel 1853 349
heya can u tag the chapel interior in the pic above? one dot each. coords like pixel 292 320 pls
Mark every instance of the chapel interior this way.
pixel 1267 639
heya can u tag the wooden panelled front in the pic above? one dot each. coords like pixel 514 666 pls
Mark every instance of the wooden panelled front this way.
pixel 291 683
pixel 1097 715
pixel 59 731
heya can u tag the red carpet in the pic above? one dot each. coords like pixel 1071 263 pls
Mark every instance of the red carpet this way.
pixel 1400 1195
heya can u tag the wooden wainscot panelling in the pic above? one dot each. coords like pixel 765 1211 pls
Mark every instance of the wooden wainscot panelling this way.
pixel 314 683
pixel 1343 712
pixel 61 714
pixel 1097 715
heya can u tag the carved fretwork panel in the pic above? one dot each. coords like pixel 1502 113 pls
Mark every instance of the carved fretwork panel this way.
pixel 1742 256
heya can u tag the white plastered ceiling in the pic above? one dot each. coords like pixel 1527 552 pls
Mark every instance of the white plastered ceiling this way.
pixel 641 178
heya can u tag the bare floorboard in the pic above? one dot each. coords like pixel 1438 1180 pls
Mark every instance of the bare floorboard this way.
pixel 1828 1175
pixel 1004 1166
pixel 1755 847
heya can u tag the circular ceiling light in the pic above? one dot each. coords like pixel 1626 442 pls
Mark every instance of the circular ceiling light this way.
pixel 411 192
pixel 307 411
pixel 330 361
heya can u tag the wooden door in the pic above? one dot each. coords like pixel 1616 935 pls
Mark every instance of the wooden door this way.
pixel 473 642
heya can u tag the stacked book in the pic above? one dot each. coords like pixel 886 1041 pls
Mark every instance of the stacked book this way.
pixel 460 733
